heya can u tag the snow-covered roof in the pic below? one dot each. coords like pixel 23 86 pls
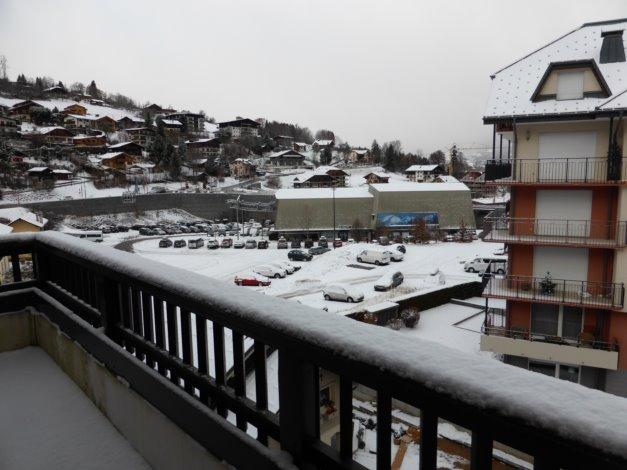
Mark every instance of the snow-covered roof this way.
pixel 62 172
pixel 323 193
pixel 514 85
pixel 121 144
pixel 13 214
pixel 447 179
pixel 37 169
pixel 360 151
pixel 420 168
pixel 4 229
pixel 294 153
pixel 403 186
pixel 104 156
pixel 144 165
pixel 86 117
pixel 323 142
pixel 171 122
pixel 48 129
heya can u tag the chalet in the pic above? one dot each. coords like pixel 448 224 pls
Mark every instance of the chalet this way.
pixel 54 135
pixel 96 102
pixel 322 144
pixel 40 173
pixel 287 158
pixel 242 168
pixel 75 108
pixel 90 141
pixel 127 122
pixel 105 124
pixel 203 148
pixel 88 121
pixel 143 136
pixel 301 146
pixel 22 220
pixel 55 92
pixel 112 160
pixel 22 110
pixel 172 129
pixel 130 148
pixel 359 156
pixel 156 110
pixel 62 174
pixel 424 173
pixel 445 179
pixel 284 141
pixel 143 173
pixel 8 126
pixel 240 127
pixel 376 178
pixel 322 177
pixel 192 122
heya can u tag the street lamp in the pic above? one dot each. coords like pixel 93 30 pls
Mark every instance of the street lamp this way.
pixel 333 241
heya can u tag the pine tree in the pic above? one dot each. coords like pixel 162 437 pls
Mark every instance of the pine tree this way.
pixel 326 156
pixel 92 90
pixel 21 79
pixel 157 149
pixel 389 161
pixel 375 151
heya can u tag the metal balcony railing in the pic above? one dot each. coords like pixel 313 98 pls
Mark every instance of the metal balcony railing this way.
pixel 584 233
pixel 555 171
pixel 164 331
pixel 558 291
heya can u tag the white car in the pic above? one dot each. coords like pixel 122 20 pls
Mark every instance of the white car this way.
pixel 479 265
pixel 270 271
pixel 287 267
pixel 373 257
pixel 342 293
pixel 395 255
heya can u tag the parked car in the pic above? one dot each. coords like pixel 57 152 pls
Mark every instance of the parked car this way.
pixel 165 243
pixel 251 244
pixel 142 231
pixel 212 244
pixel 342 293
pixel 295 244
pixel 309 243
pixel 179 243
pixel 262 244
pixel 395 255
pixel 193 229
pixel 479 265
pixel 323 242
pixel 389 281
pixel 270 271
pixel 239 244
pixel 299 255
pixel 122 228
pixel 319 250
pixel 383 241
pixel 195 243
pixel 448 238
pixel 251 280
pixel 226 243
pixel 373 257
pixel 337 243
pixel 287 267
pixel 282 243
pixel 350 240
pixel 400 248
pixel 159 231
pixel 184 229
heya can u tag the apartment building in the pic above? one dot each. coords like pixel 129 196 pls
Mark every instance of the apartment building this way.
pixel 560 109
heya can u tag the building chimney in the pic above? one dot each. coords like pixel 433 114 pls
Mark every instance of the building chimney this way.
pixel 612 49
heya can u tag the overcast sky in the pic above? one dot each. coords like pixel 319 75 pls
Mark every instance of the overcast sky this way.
pixel 417 71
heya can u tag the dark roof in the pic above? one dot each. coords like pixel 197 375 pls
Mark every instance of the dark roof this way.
pixel 239 123
pixel 154 106
pixel 612 49
pixel 173 115
pixel 571 64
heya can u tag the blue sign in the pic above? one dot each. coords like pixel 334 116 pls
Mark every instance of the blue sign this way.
pixel 405 219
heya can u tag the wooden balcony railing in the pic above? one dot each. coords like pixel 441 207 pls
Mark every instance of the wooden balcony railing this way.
pixel 605 295
pixel 570 171
pixel 583 233
pixel 165 331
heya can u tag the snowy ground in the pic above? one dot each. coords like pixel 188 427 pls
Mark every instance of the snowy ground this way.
pixel 355 179
pixel 61 104
pixel 55 425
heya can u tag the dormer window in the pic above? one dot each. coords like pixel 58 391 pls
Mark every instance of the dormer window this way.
pixel 570 85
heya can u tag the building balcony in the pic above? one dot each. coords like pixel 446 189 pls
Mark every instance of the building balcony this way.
pixel 603 295
pixel 165 355
pixel 552 232
pixel 555 172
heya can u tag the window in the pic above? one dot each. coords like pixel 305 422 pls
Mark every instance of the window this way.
pixel 570 85
pixel 555 320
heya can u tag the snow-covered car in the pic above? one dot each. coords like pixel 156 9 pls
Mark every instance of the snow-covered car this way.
pixel 299 255
pixel 239 244
pixel 374 257
pixel 319 250
pixel 288 267
pixel 282 244
pixel 270 271
pixel 165 243
pixel 399 247
pixel 251 280
pixel 342 293
pixel 195 243
pixel 213 244
pixel 250 243
pixel 389 281
pixel 448 238
pixel 395 255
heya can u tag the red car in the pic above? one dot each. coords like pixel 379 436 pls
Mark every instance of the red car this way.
pixel 245 280
pixel 337 243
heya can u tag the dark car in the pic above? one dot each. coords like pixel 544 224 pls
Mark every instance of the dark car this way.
pixel 226 243
pixel 323 243
pixel 179 243
pixel 122 228
pixel 318 250
pixel 309 243
pixel 389 281
pixel 299 255
pixel 295 244
pixel 262 244
pixel 282 244
pixel 165 243
pixel 142 231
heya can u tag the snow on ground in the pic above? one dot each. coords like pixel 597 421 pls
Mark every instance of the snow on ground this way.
pixel 167 216
pixel 61 104
pixel 355 179
pixel 54 426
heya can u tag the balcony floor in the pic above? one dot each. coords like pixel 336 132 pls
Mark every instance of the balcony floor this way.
pixel 46 422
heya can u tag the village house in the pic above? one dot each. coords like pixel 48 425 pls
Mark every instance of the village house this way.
pixel 143 136
pixel 376 178
pixel 39 173
pixel 424 173
pixel 290 158
pixel 112 160
pixel 76 109
pixel 54 135
pixel 88 121
pixel 22 110
pixel 55 92
pixel 143 173
pixel 322 177
pixel 172 130
pixel 193 123
pixel 156 110
pixel 203 148
pixel 284 141
pixel 8 126
pixel 130 148
pixel 90 141
pixel 127 122
pixel 475 180
pixel 445 179
pixel 240 127
pixel 301 146
pixel 22 220
pixel 359 156
pixel 242 168
pixel 322 144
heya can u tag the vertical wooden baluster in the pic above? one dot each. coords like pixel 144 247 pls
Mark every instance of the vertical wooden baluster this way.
pixel 186 344
pixel 137 319
pixel 159 330
pixel 346 418
pixel 147 320
pixel 261 384
pixel 239 372
pixel 202 352
pixel 127 318
pixel 173 343
pixel 218 354
pixel 15 265
pixel 428 438
pixel 481 449
pixel 384 426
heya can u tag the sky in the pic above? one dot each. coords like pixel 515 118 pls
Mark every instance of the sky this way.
pixel 416 71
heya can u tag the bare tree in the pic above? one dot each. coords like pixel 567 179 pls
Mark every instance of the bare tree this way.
pixel 3 67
